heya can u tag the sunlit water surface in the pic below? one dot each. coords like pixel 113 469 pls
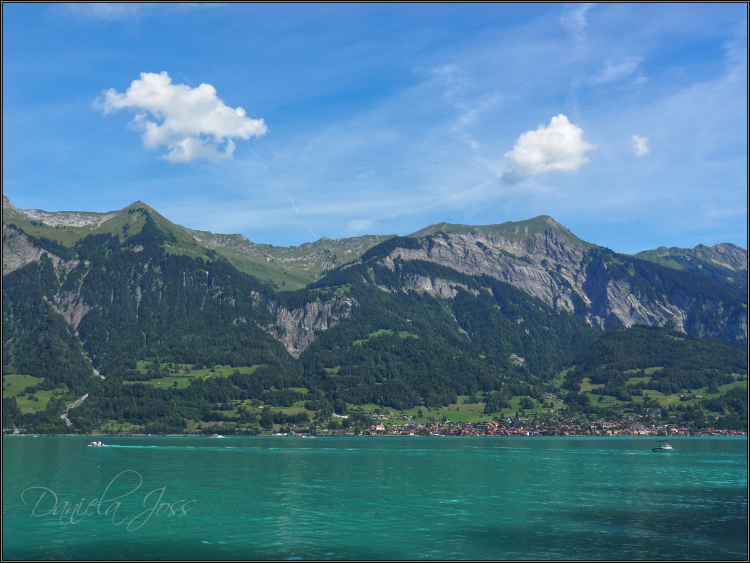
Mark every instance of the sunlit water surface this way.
pixel 374 498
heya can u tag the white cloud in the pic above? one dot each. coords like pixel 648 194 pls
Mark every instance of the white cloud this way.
pixel 736 55
pixel 559 146
pixel 358 226
pixel 574 17
pixel 118 12
pixel 366 174
pixel 640 145
pixel 194 121
pixel 617 70
pixel 458 90
pixel 105 10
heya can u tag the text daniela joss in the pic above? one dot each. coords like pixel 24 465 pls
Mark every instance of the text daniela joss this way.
pixel 48 504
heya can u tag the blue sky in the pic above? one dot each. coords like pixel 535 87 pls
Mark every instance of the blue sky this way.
pixel 625 122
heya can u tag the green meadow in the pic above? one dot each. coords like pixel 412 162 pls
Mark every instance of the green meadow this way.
pixel 382 331
pixel 181 375
pixel 14 383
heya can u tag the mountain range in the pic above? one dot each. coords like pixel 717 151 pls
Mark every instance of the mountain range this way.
pixel 449 310
pixel 538 255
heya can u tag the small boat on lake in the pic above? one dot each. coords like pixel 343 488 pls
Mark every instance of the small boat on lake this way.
pixel 216 436
pixel 96 444
pixel 662 447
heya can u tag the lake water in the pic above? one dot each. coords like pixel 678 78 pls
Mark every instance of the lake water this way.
pixel 374 498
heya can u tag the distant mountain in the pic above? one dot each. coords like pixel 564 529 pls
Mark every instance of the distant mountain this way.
pixel 284 267
pixel 549 262
pixel 514 231
pixel 725 263
pixel 539 255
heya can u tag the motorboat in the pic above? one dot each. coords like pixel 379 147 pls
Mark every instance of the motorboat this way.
pixel 216 436
pixel 663 446
pixel 96 444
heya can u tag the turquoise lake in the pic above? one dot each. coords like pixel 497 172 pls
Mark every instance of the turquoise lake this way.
pixel 374 498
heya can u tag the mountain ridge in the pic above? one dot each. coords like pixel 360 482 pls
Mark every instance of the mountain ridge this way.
pixel 293 267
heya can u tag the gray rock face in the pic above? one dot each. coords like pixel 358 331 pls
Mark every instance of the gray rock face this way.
pixel 57 218
pixel 726 255
pixel 436 287
pixel 18 250
pixel 297 328
pixel 72 307
pixel 732 256
pixel 562 271
pixel 518 262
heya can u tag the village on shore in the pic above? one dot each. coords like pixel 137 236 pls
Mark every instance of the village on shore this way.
pixel 532 426
pixel 389 425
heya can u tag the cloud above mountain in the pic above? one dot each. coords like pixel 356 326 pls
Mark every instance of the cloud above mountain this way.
pixel 557 146
pixel 192 123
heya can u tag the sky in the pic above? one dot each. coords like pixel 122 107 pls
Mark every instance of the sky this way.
pixel 627 123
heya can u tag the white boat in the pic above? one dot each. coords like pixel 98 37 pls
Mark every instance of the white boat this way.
pixel 96 444
pixel 216 436
pixel 662 447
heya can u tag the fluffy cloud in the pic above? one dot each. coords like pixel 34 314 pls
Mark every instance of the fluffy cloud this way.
pixel 574 17
pixel 194 122
pixel 558 146
pixel 640 145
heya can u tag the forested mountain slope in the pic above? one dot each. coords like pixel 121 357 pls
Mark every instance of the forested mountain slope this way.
pixel 498 311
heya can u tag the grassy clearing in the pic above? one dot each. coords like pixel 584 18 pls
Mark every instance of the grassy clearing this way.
pixel 456 412
pixel 14 383
pixel 257 410
pixel 183 379
pixel 401 334
pixel 669 400
pixel 296 408
pixel 113 427
pixel 284 276
pixel 29 403
pixel 557 381
pixel 333 291
pixel 182 382
pixel 636 380
pixel 586 385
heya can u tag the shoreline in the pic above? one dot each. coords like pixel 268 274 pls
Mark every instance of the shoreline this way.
pixel 663 437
